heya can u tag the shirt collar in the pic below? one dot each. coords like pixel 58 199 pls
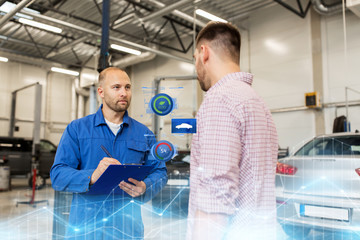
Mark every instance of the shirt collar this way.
pixel 241 76
pixel 99 117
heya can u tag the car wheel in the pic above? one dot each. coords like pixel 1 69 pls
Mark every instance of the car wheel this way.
pixel 40 182
pixel 296 232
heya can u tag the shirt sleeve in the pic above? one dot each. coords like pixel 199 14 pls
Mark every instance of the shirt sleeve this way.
pixel 219 152
pixel 157 178
pixel 64 174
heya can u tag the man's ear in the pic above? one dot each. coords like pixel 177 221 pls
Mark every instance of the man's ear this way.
pixel 205 53
pixel 100 92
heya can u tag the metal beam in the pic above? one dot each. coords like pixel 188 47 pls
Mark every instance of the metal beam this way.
pixel 124 20
pixel 120 15
pixel 177 13
pixel 177 35
pixel 18 7
pixel 9 36
pixel 299 12
pixel 35 44
pixel 18 41
pixel 98 8
pixel 95 33
pixel 164 11
pixel 66 47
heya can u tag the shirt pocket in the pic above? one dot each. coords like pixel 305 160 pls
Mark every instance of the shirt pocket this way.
pixel 136 152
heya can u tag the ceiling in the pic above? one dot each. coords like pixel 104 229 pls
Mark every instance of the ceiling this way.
pixel 137 24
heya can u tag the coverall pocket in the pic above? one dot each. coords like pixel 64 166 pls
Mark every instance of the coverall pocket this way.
pixel 136 152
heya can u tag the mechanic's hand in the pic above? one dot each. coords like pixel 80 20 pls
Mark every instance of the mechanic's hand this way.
pixel 132 190
pixel 103 165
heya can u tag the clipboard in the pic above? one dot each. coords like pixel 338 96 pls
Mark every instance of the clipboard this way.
pixel 114 174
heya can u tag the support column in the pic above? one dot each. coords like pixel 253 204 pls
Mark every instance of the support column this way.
pixel 104 53
pixel 317 67
pixel 37 117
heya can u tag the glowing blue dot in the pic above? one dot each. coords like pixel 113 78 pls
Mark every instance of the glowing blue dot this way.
pixel 44 207
pixel 76 229
pixel 342 191
pixel 105 220
pixel 303 187
pixel 160 214
pixel 132 201
pixel 323 177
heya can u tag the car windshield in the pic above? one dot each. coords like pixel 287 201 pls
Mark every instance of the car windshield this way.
pixel 330 146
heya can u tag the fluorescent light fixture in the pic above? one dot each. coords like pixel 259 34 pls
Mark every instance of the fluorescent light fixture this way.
pixel 40 25
pixel 209 16
pixel 3 59
pixel 8 6
pixel 125 49
pixel 65 71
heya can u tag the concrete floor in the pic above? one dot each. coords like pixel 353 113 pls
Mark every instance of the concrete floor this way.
pixel 31 222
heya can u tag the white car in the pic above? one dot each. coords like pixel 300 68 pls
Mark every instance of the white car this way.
pixel 318 187
pixel 184 125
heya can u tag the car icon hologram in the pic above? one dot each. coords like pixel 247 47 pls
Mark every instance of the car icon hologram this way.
pixel 184 125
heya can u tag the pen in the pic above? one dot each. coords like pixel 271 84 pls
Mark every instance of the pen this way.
pixel 109 155
pixel 106 151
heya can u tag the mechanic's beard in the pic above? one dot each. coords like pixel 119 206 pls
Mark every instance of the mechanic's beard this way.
pixel 116 107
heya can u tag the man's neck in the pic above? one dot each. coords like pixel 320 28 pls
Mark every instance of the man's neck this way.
pixel 111 116
pixel 223 70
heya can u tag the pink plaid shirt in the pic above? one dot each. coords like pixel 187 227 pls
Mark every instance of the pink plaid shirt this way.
pixel 233 158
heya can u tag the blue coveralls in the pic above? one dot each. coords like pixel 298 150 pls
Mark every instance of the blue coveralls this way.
pixel 79 153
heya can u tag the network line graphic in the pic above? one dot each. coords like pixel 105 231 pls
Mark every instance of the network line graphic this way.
pixel 37 223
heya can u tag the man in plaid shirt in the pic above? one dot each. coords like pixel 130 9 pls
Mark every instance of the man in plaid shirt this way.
pixel 234 153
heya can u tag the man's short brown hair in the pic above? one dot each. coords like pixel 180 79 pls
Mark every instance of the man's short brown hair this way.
pixel 224 36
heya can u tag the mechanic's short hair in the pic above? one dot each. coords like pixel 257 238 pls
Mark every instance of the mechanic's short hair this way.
pixel 103 73
pixel 224 36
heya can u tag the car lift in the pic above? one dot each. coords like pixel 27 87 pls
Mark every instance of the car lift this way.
pixel 36 137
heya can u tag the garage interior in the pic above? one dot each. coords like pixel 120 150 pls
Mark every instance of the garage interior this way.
pixel 303 53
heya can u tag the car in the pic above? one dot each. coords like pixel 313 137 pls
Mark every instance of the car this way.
pixel 173 200
pixel 184 125
pixel 318 186
pixel 17 153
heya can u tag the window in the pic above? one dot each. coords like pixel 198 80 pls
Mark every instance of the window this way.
pixel 330 146
pixel 46 146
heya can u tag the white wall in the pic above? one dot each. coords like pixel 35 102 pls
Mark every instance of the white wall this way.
pixel 56 100
pixel 281 61
pixel 340 72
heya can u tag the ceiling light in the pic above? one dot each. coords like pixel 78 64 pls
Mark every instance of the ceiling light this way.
pixel 209 15
pixel 125 49
pixel 8 6
pixel 40 25
pixel 3 59
pixel 65 71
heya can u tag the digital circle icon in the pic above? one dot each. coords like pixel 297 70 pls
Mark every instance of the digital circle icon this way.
pixel 163 151
pixel 162 104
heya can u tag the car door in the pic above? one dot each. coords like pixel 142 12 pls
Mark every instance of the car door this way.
pixel 46 158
